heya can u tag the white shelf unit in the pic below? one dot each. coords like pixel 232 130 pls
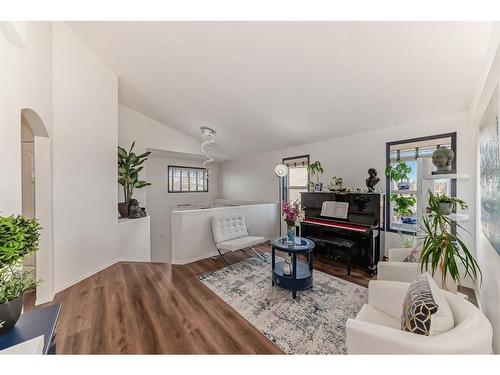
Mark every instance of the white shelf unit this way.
pixel 426 181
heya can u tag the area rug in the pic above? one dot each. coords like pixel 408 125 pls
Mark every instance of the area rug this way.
pixel 313 323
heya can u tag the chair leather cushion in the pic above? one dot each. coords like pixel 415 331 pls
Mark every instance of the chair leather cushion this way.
pixel 228 227
pixel 240 243
pixel 370 314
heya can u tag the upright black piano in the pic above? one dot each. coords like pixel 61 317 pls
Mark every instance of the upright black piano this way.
pixel 358 227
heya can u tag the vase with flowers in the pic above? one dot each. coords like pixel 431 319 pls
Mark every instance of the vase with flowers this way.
pixel 293 215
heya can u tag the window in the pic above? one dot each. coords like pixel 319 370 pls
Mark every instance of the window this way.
pixel 187 179
pixel 409 151
pixel 296 180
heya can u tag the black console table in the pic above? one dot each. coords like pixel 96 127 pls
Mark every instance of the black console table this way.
pixel 301 277
pixel 35 323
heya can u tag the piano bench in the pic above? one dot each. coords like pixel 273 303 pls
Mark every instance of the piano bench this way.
pixel 339 242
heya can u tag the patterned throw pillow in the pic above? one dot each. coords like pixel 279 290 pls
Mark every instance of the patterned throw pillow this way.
pixel 418 307
pixel 414 256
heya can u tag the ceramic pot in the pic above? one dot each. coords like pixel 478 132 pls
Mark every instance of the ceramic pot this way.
pixel 10 313
pixel 445 208
pixel 123 209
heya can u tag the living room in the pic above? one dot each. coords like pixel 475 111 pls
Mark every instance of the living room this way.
pixel 207 186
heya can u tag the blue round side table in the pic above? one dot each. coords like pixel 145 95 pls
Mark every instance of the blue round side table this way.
pixel 301 277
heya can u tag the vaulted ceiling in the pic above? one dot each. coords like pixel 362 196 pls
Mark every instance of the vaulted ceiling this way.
pixel 269 85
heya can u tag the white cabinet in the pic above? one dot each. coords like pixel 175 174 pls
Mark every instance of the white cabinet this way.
pixel 134 239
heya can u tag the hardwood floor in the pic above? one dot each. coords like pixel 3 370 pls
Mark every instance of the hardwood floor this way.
pixel 148 308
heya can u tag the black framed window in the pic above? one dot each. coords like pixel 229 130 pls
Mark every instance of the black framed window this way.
pixel 297 178
pixel 409 150
pixel 187 179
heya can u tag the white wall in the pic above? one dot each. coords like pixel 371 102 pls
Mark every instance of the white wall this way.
pixel 162 202
pixel 85 135
pixel 192 237
pixel 150 134
pixel 488 258
pixel 253 178
pixel 26 83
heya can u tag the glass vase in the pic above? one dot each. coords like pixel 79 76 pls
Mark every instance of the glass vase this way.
pixel 290 234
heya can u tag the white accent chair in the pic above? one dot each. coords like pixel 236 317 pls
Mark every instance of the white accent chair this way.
pixel 396 270
pixel 231 234
pixel 377 328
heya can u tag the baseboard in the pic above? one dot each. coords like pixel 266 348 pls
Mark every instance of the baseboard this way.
pixel 86 275
pixel 47 299
pixel 181 262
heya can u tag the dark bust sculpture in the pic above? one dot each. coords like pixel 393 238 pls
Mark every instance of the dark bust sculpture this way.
pixel 372 180
pixel 134 211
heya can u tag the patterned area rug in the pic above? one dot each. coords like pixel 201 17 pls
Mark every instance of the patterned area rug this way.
pixel 313 323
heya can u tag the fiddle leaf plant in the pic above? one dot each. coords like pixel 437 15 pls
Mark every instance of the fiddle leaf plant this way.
pixel 443 246
pixel 129 166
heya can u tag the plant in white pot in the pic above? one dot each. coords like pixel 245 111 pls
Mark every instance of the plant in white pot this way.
pixel 129 166
pixel 19 237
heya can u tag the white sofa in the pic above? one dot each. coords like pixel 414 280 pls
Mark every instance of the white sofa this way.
pixel 396 270
pixel 377 328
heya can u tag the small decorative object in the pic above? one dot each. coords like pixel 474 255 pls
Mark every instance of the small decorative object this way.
pixel 336 184
pixel 134 211
pixel 443 248
pixel 19 237
pixel 442 158
pixel 315 169
pixel 287 266
pixel 372 179
pixel 399 174
pixel 129 166
pixel 293 215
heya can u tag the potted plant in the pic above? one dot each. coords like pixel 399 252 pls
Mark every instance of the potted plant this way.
pixel 404 207
pixel 447 204
pixel 408 242
pixel 399 174
pixel 315 169
pixel 443 247
pixel 19 237
pixel 129 166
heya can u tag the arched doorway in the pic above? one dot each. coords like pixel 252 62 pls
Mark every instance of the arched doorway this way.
pixel 36 189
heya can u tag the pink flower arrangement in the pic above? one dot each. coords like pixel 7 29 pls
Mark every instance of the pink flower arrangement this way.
pixel 292 213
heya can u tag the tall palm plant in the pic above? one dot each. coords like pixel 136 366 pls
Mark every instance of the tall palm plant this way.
pixel 129 166
pixel 443 248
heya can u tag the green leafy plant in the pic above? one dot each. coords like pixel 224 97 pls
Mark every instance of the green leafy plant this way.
pixel 404 205
pixel 316 169
pixel 14 282
pixel 129 166
pixel 398 173
pixel 443 198
pixel 407 242
pixel 19 236
pixel 443 247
